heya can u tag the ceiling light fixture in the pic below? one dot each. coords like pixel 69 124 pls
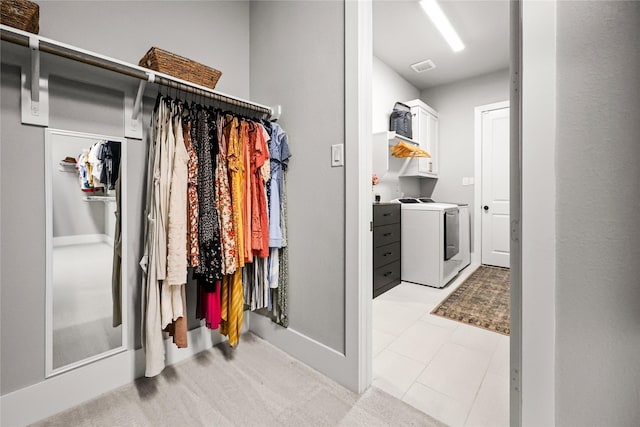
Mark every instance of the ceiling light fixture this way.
pixel 440 20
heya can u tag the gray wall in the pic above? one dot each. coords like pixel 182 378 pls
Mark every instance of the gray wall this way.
pixel 456 103
pixel 23 249
pixel 23 216
pixel 297 61
pixel 388 88
pixel 213 33
pixel 598 288
pixel 124 30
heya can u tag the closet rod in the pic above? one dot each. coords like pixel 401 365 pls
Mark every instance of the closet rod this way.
pixel 53 47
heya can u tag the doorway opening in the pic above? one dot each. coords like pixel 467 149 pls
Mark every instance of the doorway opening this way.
pixel 491 190
pixel 456 371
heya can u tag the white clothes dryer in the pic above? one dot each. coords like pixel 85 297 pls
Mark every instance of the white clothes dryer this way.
pixel 429 241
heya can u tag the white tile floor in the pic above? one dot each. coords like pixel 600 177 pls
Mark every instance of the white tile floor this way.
pixel 454 372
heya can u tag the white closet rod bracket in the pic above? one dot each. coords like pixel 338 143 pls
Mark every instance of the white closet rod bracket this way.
pixel 34 45
pixel 151 78
pixel 34 94
pixel 138 102
pixel 276 112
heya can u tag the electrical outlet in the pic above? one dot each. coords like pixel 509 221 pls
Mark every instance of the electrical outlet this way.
pixel 465 181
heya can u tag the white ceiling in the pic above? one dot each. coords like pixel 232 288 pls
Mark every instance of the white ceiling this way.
pixel 403 35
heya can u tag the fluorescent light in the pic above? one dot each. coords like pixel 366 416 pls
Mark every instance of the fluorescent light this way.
pixel 432 8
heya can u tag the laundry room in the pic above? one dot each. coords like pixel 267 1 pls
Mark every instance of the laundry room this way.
pixel 440 195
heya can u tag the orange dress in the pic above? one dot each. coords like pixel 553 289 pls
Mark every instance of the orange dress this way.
pixel 260 216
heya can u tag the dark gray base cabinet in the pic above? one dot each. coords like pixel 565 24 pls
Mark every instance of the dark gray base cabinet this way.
pixel 386 247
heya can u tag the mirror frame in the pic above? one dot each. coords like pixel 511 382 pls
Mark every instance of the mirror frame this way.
pixel 49 135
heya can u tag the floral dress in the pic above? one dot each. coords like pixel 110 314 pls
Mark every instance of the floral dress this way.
pixel 223 204
pixel 193 250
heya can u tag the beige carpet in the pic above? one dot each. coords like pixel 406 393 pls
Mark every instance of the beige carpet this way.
pixel 482 300
pixel 254 385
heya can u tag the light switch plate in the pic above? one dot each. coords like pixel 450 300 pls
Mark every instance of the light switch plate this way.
pixel 337 155
pixel 465 181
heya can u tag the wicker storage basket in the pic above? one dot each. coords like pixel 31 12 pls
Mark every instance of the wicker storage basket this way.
pixel 21 14
pixel 178 66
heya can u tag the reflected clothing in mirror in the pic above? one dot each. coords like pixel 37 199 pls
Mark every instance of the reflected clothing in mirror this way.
pixel 116 276
pixel 99 166
pixel 84 256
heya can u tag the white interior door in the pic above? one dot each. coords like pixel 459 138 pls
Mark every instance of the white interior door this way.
pixel 495 187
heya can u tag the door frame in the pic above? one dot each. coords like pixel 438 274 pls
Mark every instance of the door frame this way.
pixel 476 254
pixel 532 157
pixel 358 210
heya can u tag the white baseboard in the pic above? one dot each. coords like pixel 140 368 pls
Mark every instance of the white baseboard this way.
pixel 320 357
pixel 58 393
pixel 61 392
pixel 81 239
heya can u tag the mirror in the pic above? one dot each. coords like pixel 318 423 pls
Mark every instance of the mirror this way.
pixel 85 248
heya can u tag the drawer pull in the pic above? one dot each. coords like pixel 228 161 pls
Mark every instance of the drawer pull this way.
pixel 387 234
pixel 387 214
pixel 387 254
pixel 388 273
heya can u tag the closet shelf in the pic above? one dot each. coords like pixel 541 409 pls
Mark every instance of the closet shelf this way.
pixel 66 167
pixel 64 50
pixel 394 137
pixel 99 199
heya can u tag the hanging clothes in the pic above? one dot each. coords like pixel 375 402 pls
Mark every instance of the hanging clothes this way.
pixel 279 150
pixel 173 304
pixel 216 219
pixel 209 268
pixel 193 247
pixel 236 172
pixel 232 290
pixel 171 298
pixel 116 272
pixel 246 190
pixel 259 214
pixel 152 340
pixel 280 154
pixel 223 203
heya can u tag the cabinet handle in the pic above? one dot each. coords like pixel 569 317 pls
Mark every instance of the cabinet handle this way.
pixel 387 234
pixel 387 214
pixel 387 254
pixel 388 273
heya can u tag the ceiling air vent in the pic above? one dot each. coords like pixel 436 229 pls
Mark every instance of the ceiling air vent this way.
pixel 422 66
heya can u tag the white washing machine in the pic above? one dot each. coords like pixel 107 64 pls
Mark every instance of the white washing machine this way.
pixel 430 242
pixel 464 255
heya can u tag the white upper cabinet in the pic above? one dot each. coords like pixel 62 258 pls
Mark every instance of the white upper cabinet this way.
pixel 425 133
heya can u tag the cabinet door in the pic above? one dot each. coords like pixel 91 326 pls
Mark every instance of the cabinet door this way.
pixel 424 132
pixel 432 142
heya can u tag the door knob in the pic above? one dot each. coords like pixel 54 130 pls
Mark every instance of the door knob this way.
pixel 486 208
